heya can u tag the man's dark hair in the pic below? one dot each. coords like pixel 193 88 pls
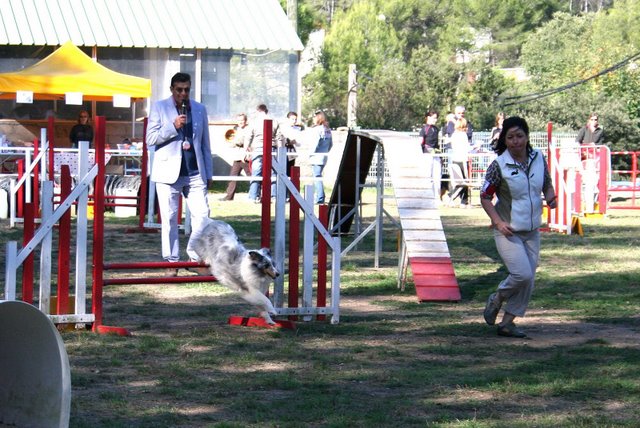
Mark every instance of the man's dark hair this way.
pixel 262 107
pixel 180 78
pixel 292 113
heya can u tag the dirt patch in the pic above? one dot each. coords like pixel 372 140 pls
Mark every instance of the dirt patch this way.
pixel 545 328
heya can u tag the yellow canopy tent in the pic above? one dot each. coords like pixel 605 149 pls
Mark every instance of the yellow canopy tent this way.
pixel 68 69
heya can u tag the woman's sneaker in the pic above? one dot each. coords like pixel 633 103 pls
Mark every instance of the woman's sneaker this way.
pixel 492 308
pixel 510 330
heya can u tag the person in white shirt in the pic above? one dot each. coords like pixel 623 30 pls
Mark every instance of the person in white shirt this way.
pixel 459 164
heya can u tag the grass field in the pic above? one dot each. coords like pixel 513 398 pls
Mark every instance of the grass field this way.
pixel 391 361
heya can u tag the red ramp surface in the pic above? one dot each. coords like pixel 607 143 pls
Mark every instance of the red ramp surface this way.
pixel 410 170
pixel 434 279
pixel 423 236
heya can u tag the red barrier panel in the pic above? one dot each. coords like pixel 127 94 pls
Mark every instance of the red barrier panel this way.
pixel 98 223
pixel 294 245
pixel 159 280
pixel 64 240
pixel 265 240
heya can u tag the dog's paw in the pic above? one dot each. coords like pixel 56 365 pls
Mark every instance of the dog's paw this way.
pixel 267 318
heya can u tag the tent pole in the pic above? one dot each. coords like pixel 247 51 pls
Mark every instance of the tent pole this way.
pixel 133 120
pixel 94 57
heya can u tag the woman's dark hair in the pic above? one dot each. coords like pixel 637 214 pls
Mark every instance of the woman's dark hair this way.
pixel 511 122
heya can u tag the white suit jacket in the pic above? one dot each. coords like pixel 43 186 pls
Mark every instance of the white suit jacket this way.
pixel 165 140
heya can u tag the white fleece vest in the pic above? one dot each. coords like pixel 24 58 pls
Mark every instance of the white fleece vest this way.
pixel 519 196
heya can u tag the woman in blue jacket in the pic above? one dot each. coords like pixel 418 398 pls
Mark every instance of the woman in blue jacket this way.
pixel 321 141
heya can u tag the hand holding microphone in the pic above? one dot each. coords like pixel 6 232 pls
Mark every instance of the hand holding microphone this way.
pixel 183 120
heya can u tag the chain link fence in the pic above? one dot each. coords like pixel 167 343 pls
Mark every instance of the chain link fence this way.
pixel 482 158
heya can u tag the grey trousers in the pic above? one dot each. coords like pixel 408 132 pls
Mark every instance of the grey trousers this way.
pixel 520 253
pixel 195 191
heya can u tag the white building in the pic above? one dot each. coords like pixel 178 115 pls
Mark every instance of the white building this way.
pixel 239 52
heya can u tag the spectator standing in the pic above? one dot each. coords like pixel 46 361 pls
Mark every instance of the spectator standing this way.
pixel 320 142
pixel 459 164
pixel 592 133
pixel 178 132
pixel 239 159
pixel 431 146
pixel 429 133
pixel 292 132
pixel 459 113
pixel 495 131
pixel 449 122
pixel 81 131
pixel 254 146
pixel 517 177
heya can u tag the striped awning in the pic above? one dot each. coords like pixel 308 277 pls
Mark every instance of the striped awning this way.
pixel 181 24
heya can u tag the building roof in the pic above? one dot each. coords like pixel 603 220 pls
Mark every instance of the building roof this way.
pixel 181 24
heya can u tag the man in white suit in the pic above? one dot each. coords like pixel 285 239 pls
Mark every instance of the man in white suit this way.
pixel 178 132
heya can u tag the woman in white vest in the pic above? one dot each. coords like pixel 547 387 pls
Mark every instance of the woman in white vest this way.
pixel 518 178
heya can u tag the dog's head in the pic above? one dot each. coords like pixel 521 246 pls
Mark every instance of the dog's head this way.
pixel 261 260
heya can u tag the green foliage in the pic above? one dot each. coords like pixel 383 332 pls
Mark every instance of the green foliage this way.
pixel 509 23
pixel 435 79
pixel 314 14
pixel 480 97
pixel 383 103
pixel 570 48
pixel 407 50
pixel 400 93
pixel 359 36
pixel 553 53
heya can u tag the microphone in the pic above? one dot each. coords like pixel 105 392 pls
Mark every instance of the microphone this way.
pixel 183 108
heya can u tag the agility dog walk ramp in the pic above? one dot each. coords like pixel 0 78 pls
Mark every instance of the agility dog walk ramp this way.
pixel 424 244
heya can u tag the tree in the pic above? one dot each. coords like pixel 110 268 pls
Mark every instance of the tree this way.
pixel 553 54
pixel 359 36
pixel 572 50
pixel 315 14
pixel 383 100
pixel 434 78
pixel 480 97
pixel 507 22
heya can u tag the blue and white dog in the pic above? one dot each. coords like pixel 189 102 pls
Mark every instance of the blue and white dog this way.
pixel 248 272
